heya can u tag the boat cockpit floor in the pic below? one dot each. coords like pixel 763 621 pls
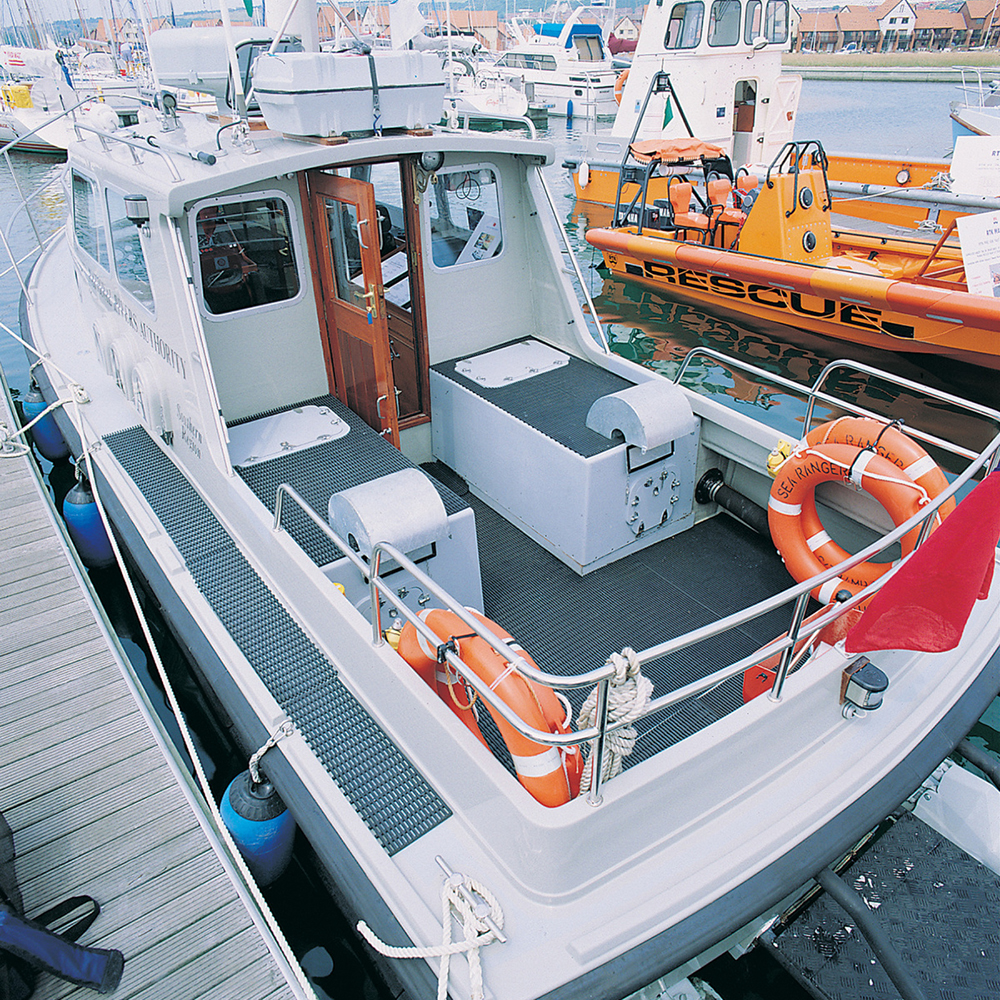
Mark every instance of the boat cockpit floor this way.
pixel 320 471
pixel 569 623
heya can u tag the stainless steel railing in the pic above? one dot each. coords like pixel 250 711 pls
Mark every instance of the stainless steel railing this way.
pixel 797 595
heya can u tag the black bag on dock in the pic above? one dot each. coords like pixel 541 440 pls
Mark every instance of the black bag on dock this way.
pixel 28 946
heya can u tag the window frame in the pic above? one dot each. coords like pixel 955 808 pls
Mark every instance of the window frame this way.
pixel 102 218
pixel 295 237
pixel 770 5
pixel 735 40
pixel 428 235
pixel 699 4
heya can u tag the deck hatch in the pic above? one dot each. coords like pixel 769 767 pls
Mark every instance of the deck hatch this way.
pixel 325 469
pixel 387 791
pixel 554 402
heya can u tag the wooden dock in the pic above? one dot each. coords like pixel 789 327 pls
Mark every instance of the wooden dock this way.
pixel 95 795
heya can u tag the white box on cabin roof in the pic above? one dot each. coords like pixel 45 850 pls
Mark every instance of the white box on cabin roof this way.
pixel 328 93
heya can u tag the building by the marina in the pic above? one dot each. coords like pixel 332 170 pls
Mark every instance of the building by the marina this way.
pixel 900 26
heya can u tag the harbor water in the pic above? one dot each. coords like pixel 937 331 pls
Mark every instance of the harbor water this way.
pixel 641 323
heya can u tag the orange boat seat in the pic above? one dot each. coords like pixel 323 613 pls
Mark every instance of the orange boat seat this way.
pixel 679 192
pixel 721 209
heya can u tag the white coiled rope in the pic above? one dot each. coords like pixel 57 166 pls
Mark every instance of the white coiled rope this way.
pixel 477 932
pixel 629 692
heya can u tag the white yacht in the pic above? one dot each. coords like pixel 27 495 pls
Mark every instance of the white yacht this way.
pixel 568 65
pixel 354 430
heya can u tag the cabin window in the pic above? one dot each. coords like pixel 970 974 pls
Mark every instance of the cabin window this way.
pixel 126 248
pixel 684 26
pixel 88 219
pixel 464 210
pixel 776 20
pixel 527 60
pixel 724 23
pixel 246 257
pixel 588 48
pixel 752 24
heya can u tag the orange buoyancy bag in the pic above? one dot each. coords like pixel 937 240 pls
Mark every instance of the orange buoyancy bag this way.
pixel 550 774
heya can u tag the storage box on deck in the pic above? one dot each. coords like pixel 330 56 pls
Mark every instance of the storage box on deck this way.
pixel 327 93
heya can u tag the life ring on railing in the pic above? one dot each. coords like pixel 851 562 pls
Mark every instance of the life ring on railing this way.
pixel 792 507
pixel 550 774
pixel 890 443
pixel 620 85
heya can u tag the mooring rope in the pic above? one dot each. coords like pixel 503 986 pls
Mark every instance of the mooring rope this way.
pixel 477 933
pixel 629 692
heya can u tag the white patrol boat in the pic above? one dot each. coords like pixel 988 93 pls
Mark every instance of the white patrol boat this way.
pixel 355 431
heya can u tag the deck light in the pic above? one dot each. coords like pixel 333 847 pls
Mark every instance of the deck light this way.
pixel 137 209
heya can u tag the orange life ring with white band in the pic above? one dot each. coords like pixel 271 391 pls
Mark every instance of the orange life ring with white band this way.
pixel 620 85
pixel 793 493
pixel 550 774
pixel 890 443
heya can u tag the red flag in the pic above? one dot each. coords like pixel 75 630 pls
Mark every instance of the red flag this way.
pixel 926 603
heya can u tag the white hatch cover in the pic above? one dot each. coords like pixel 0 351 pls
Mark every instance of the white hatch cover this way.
pixel 511 364
pixel 283 433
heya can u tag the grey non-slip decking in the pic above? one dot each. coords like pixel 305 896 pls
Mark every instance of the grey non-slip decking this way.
pixel 93 803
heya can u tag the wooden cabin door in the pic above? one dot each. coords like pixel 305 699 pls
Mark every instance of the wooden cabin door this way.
pixel 351 297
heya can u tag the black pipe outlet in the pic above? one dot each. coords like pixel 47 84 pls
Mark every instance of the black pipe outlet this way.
pixel 712 489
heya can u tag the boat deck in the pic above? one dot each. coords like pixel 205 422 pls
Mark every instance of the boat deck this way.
pixel 95 799
pixel 571 623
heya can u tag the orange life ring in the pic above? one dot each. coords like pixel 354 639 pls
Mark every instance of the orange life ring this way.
pixel 890 443
pixel 793 494
pixel 620 85
pixel 550 774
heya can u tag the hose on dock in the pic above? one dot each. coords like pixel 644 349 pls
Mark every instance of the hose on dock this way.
pixel 884 950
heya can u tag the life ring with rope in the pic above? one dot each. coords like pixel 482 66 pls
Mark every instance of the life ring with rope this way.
pixel 791 509
pixel 550 774
pixel 902 496
pixel 620 85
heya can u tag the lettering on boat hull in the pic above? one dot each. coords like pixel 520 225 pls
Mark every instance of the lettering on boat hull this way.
pixel 792 305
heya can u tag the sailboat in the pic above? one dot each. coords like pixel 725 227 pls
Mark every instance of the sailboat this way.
pixel 554 721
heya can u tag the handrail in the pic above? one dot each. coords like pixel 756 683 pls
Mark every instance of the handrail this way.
pixel 798 595
pixel 576 264
pixel 132 143
pixel 601 676
pixel 814 394
pixel 977 409
pixel 486 116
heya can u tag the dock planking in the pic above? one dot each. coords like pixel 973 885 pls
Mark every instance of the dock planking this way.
pixel 94 795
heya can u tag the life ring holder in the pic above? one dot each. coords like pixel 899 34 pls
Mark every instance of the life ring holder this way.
pixel 551 774
pixel 620 85
pixel 792 504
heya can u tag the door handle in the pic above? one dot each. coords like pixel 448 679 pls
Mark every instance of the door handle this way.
pixel 378 403
pixel 360 223
pixel 371 302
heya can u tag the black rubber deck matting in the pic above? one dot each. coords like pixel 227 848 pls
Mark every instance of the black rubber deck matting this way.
pixel 939 907
pixel 570 624
pixel 387 791
pixel 317 473
pixel 555 402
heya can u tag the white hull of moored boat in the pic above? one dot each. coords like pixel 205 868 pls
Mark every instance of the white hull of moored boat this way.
pixel 331 325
